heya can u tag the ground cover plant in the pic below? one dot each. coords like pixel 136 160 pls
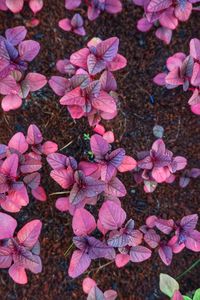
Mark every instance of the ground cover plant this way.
pixel 165 13
pixel 89 92
pixel 20 162
pixel 184 71
pixel 103 235
pixel 15 82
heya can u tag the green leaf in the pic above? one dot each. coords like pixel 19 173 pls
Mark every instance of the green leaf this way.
pixel 168 285
pixel 186 298
pixel 197 295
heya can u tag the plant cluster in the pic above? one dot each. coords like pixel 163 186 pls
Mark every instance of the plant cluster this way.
pixel 96 7
pixel 76 25
pixel 16 6
pixel 121 242
pixel 170 287
pixel 15 81
pixel 20 162
pixel 87 180
pixel 184 71
pixel 166 13
pixel 20 252
pixel 89 92
pixel 157 166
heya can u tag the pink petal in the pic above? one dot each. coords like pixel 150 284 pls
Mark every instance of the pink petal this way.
pixel 15 6
pixel 29 234
pixel 28 50
pixel 18 273
pixel 110 295
pixel 83 222
pixel 7 226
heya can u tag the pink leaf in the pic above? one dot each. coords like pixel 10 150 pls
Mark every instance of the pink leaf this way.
pixel 49 147
pixel 111 215
pixel 29 234
pixel 177 296
pixel 121 260
pixel 65 24
pixel 160 79
pixel 35 5
pixel 72 4
pixel 79 58
pixel 34 135
pixel 63 177
pixel 7 226
pixel 28 50
pixel 15 6
pixel 18 142
pixel 166 254
pixel 18 273
pixel 39 193
pixel 83 222
pixel 62 204
pixel 158 5
pixel 11 102
pixel 127 164
pixel 110 295
pixel 144 25
pixel 195 48
pixel 79 263
pixel 164 34
pixel 35 81
pixel 16 35
pixel 88 284
pixel 139 253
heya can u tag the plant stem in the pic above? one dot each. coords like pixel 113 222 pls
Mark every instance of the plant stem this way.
pixel 59 193
pixel 66 146
pixel 189 269
pixel 68 250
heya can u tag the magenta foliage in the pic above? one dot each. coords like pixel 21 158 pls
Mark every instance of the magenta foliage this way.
pixel 166 236
pixel 167 13
pixel 20 162
pixel 86 180
pixel 96 7
pixel 17 5
pixel 15 54
pixel 90 90
pixel 91 289
pixel 157 166
pixel 75 25
pixel 188 175
pixel 184 71
pixel 21 252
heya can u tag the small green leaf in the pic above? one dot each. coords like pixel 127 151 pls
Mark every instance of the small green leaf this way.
pixel 186 298
pixel 197 295
pixel 168 285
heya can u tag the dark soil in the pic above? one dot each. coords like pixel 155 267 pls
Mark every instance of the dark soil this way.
pixel 133 128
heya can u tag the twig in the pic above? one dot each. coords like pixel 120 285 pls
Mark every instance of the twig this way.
pixel 68 250
pixel 188 270
pixel 66 145
pixel 59 193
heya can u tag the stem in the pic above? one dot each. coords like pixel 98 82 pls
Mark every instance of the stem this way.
pixel 188 270
pixel 66 146
pixel 59 193
pixel 68 250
